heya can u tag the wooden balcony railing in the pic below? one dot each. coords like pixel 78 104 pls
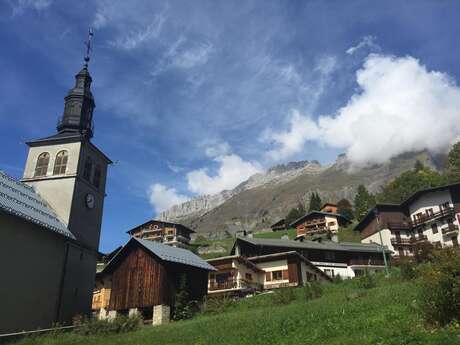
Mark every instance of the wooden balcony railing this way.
pixel 398 226
pixel 451 229
pixel 402 241
pixel 234 284
pixel 366 262
pixel 449 211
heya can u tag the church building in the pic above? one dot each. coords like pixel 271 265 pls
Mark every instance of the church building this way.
pixel 50 221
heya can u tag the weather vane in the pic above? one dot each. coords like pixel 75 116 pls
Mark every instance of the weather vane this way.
pixel 88 46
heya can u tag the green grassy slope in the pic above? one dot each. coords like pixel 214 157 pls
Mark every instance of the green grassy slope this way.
pixel 346 314
pixel 276 234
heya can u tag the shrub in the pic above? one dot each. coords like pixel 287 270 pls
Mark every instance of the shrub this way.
pixel 407 269
pixel 313 290
pixel 217 304
pixel 337 279
pixel 423 252
pixel 283 296
pixel 367 281
pixel 184 308
pixel 121 324
pixel 440 288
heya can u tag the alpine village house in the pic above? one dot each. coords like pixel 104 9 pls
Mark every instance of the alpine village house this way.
pixel 176 235
pixel 54 216
pixel 431 215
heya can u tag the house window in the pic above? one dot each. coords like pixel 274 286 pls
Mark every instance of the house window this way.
pixel 42 164
pixel 329 272
pixel 97 176
pixel 60 164
pixel 434 228
pixel 429 212
pixel 277 275
pixel 248 276
pixel 88 168
pixel 331 223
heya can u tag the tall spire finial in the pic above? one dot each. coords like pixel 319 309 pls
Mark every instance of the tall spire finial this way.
pixel 88 46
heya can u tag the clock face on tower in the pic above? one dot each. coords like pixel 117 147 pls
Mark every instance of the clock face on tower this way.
pixel 89 201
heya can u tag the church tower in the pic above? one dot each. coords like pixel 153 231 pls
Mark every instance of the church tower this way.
pixel 67 169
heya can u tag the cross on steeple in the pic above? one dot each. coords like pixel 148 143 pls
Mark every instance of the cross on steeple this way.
pixel 88 46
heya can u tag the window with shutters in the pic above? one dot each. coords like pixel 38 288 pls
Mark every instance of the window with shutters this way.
pixel 268 276
pixel 60 163
pixel 277 275
pixel 434 228
pixel 42 164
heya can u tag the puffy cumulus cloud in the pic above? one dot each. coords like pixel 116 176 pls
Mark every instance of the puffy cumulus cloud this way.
pixel 400 107
pixel 162 197
pixel 231 172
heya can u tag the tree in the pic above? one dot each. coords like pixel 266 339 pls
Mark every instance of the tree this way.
pixel 418 166
pixel 184 308
pixel 410 182
pixel 295 213
pixel 345 208
pixel 315 202
pixel 364 201
pixel 453 164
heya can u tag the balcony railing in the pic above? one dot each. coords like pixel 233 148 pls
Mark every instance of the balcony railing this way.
pixel 419 238
pixel 366 262
pixel 402 241
pixel 449 211
pixel 451 229
pixel 398 226
pixel 233 284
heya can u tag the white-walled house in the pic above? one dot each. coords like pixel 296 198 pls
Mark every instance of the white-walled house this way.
pixel 430 215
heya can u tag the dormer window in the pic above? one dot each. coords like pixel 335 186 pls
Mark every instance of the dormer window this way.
pixel 42 164
pixel 60 164
pixel 88 168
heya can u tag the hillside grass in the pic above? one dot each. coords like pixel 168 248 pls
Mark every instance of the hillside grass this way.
pixel 276 234
pixel 345 315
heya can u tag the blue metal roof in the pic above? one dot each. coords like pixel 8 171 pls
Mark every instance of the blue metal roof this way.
pixel 173 254
pixel 23 201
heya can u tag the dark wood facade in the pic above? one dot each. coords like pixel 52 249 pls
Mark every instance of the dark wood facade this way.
pixel 142 280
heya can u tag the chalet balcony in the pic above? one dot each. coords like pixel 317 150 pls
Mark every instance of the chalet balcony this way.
pixel 419 238
pixel 318 230
pixel 446 212
pixel 398 226
pixel 366 262
pixel 395 241
pixel 234 284
pixel 450 230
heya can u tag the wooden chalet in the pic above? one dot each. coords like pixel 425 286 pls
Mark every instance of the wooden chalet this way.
pixel 318 222
pixel 145 276
pixel 345 259
pixel 238 275
pixel 279 225
pixel 176 235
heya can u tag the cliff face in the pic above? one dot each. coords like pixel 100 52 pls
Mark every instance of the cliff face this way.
pixel 266 197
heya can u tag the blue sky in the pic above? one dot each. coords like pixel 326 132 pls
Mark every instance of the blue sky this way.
pixel 195 96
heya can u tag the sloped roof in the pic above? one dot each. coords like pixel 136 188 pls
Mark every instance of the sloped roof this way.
pixel 164 253
pixel 175 225
pixel 313 213
pixel 328 245
pixel 21 200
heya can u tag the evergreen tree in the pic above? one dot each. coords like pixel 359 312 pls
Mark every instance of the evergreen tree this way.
pixel 315 202
pixel 345 208
pixel 301 209
pixel 419 166
pixel 410 182
pixel 364 201
pixel 453 164
pixel 184 308
pixel 293 215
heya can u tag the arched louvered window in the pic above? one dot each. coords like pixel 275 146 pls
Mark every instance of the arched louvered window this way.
pixel 60 164
pixel 42 164
pixel 97 176
pixel 88 168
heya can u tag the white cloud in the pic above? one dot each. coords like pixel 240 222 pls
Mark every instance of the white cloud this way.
pixel 219 149
pixel 20 6
pixel 162 197
pixel 232 171
pixel 366 41
pixel 401 107
pixel 135 38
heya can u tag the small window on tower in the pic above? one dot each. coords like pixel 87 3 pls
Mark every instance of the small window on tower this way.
pixel 42 164
pixel 97 176
pixel 88 168
pixel 60 164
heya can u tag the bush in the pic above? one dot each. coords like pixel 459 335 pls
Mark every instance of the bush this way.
pixel 217 304
pixel 283 296
pixel 423 252
pixel 337 279
pixel 440 288
pixel 184 308
pixel 313 290
pixel 121 324
pixel 407 269
pixel 367 281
